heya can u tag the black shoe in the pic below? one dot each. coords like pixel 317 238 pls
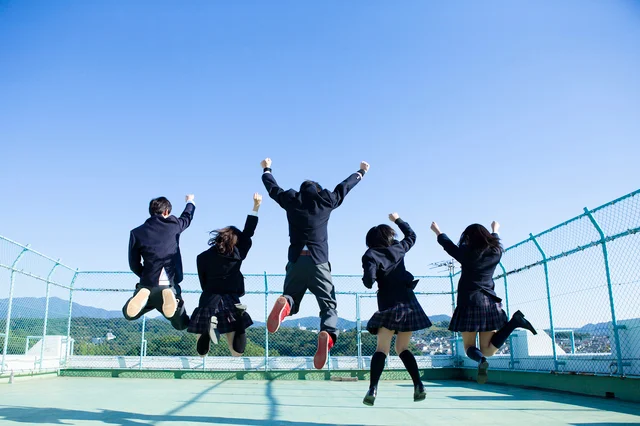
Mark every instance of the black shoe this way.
pixel 203 345
pixel 518 317
pixel 482 372
pixel 370 397
pixel 419 394
pixel 214 334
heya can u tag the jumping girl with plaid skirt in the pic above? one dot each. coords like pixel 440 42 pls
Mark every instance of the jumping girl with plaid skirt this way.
pixel 478 309
pixel 219 310
pixel 398 309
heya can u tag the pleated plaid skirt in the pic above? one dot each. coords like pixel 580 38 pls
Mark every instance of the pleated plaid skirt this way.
pixel 487 315
pixel 223 308
pixel 399 318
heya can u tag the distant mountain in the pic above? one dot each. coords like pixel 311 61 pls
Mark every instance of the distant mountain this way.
pixel 34 307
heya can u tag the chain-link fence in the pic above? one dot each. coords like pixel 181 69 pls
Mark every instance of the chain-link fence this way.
pixel 577 282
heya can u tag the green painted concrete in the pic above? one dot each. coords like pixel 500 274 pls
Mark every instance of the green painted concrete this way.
pixel 169 402
pixel 427 374
pixel 624 388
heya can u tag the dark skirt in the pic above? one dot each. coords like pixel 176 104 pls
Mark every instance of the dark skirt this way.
pixel 222 307
pixel 403 316
pixel 486 315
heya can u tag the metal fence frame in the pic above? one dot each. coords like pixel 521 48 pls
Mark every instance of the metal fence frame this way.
pixel 12 266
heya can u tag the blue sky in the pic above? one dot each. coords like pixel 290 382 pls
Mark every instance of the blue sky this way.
pixel 523 112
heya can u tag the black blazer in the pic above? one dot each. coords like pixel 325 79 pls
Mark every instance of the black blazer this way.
pixel 220 273
pixel 386 266
pixel 308 213
pixel 476 278
pixel 157 242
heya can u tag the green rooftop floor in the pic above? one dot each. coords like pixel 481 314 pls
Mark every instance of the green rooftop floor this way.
pixel 105 401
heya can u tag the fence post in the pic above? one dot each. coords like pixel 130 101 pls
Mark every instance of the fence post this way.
pixel 266 317
pixel 506 302
pixel 7 330
pixel 73 280
pixel 546 280
pixel 614 321
pixel 359 332
pixel 454 343
pixel 46 312
pixel 144 322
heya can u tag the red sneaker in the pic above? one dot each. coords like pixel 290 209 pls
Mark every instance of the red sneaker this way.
pixel 325 343
pixel 279 312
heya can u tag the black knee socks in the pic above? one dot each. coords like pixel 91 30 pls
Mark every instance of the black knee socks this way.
pixel 411 365
pixel 240 338
pixel 377 365
pixel 516 321
pixel 239 342
pixel 502 335
pixel 475 354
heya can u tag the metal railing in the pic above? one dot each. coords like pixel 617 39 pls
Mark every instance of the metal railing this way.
pixel 578 282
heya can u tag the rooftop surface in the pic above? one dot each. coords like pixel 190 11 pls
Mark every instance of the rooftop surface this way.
pixel 172 402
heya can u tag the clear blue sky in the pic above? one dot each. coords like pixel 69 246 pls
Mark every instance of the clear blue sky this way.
pixel 467 111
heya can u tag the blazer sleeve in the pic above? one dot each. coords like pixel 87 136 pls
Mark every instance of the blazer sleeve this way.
pixel 370 268
pixel 244 243
pixel 343 188
pixel 450 247
pixel 409 235
pixel 134 256
pixel 278 194
pixel 202 274
pixel 187 216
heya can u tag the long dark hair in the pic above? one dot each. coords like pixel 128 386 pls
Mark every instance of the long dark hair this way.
pixel 380 236
pixel 479 239
pixel 225 239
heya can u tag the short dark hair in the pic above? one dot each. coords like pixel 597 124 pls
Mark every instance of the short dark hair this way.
pixel 312 183
pixel 159 206
pixel 479 239
pixel 380 236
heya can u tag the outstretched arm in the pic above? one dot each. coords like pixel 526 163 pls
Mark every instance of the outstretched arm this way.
pixel 448 245
pixel 134 256
pixel 495 227
pixel 187 215
pixel 369 267
pixel 343 188
pixel 245 243
pixel 409 235
pixel 278 194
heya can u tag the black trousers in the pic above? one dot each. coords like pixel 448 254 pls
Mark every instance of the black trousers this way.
pixel 305 275
pixel 179 321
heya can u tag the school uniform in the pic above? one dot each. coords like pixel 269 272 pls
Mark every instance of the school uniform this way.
pixel 308 268
pixel 398 307
pixel 478 307
pixel 157 244
pixel 222 285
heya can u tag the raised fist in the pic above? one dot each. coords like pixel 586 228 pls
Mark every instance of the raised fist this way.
pixel 364 166
pixel 189 197
pixel 257 199
pixel 435 228
pixel 266 163
pixel 393 217
pixel 494 227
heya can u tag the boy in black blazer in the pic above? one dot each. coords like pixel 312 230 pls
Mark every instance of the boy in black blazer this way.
pixel 156 242
pixel 308 212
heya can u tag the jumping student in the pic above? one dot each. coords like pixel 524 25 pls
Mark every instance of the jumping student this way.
pixel 398 309
pixel 157 243
pixel 478 308
pixel 308 212
pixel 219 310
